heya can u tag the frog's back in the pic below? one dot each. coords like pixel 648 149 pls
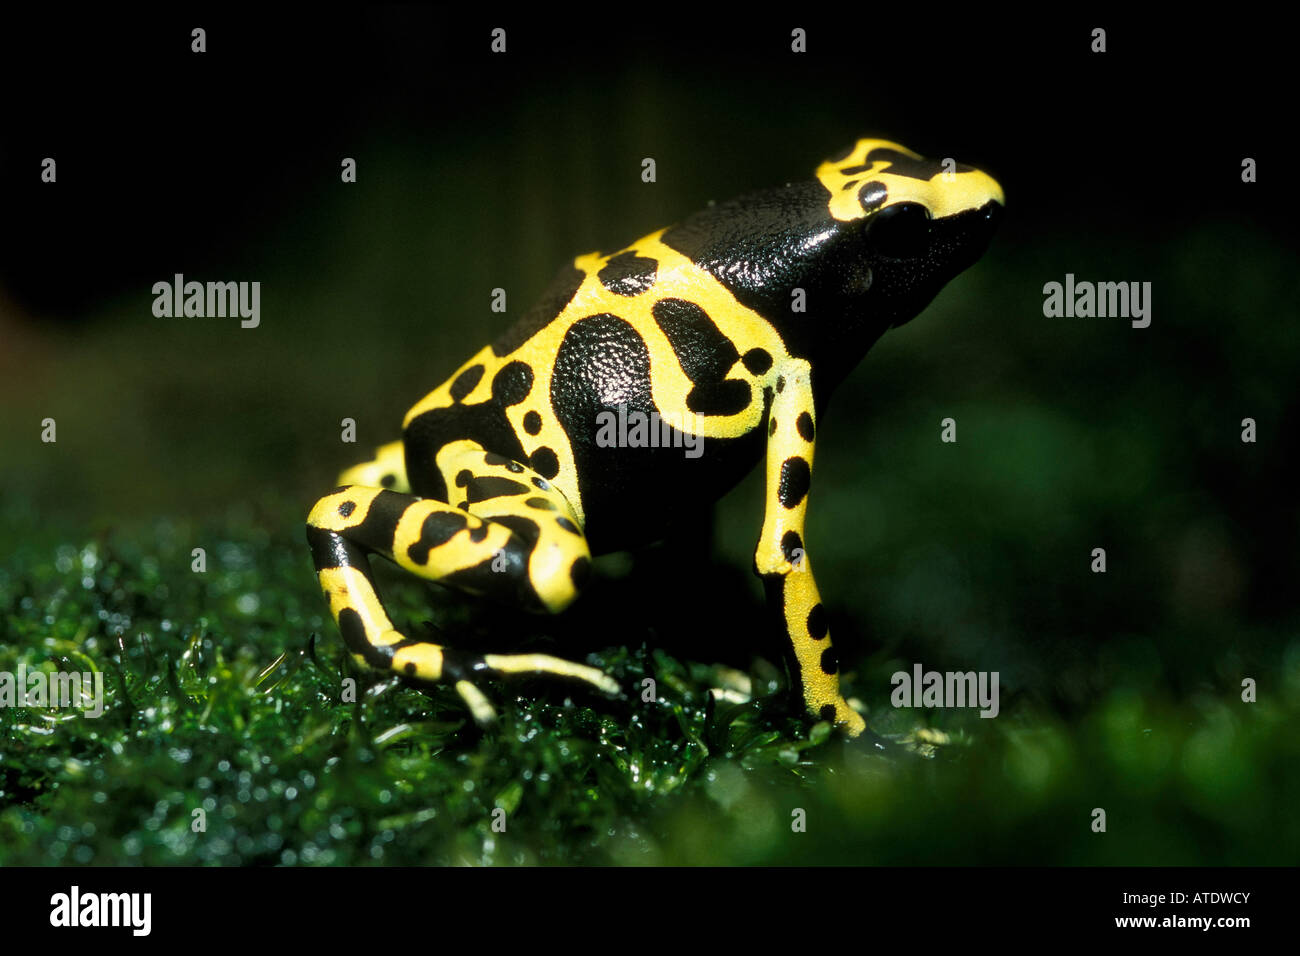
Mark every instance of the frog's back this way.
pixel 637 369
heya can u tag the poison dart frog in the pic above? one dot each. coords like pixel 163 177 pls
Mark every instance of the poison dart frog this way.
pixel 726 333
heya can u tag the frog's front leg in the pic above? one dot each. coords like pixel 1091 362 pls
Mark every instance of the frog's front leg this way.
pixel 781 560
pixel 512 538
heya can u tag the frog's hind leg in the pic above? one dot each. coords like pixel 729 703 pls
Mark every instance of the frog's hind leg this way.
pixel 509 539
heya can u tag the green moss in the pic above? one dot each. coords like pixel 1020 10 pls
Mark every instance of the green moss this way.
pixel 224 696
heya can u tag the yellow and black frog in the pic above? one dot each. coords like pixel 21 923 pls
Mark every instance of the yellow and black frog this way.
pixel 647 381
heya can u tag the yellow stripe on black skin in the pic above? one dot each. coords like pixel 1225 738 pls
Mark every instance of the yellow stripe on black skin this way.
pixel 693 324
pixel 877 174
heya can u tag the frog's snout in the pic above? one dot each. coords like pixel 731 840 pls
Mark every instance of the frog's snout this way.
pixel 974 230
pixel 989 215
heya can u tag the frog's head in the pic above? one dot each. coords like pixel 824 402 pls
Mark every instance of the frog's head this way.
pixel 870 240
pixel 915 223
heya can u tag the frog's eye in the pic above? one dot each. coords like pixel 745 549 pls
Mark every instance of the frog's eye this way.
pixel 901 231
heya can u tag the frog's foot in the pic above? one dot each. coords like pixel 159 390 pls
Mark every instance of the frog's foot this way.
pixel 479 706
pixel 509 535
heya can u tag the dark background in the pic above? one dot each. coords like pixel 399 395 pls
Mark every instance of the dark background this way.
pixel 477 171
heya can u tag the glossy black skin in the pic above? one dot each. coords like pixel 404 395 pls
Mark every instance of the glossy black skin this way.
pixel 765 245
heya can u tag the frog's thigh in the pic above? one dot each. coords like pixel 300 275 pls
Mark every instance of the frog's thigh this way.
pixel 505 492
pixel 438 542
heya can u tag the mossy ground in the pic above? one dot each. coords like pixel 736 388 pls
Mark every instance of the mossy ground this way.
pixel 224 694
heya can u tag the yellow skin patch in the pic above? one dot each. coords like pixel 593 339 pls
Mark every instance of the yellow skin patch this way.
pixel 350 588
pixel 944 194
pixel 426 658
pixel 676 277
pixel 389 462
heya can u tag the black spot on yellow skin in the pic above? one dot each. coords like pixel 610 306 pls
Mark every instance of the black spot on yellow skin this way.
pixel 346 509
pixel 567 525
pixel 757 361
pixel 437 530
pixel 628 274
pixel 706 356
pixel 817 626
pixel 463 477
pixel 579 572
pixel 805 425
pixel 545 462
pixel 376 530
pixel 796 476
pixel 492 486
pixel 780 383
pixel 525 528
pixel 900 164
pixel 872 195
pixel 789 542
pixel 540 503
pixel 512 383
pixel 409 669
pixel 854 170
pixel 501 461
pixel 478 534
pixel 465 382
pixel 387 481
pixel 771 427
pixel 542 483
pixel 352 628
pixel 830 661
pixel 827 712
pixel 532 423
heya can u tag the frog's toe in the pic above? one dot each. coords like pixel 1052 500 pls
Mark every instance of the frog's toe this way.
pixel 556 666
pixel 480 707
